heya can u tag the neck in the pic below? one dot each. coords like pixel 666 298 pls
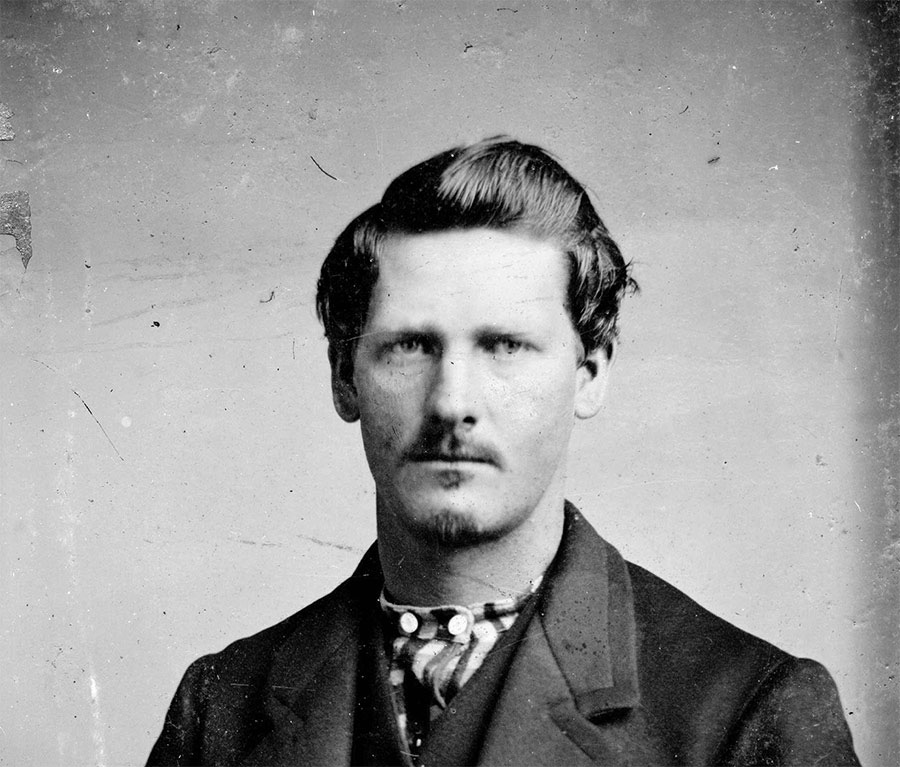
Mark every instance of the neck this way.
pixel 424 573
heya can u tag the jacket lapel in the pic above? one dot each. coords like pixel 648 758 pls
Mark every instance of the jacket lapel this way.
pixel 575 673
pixel 311 692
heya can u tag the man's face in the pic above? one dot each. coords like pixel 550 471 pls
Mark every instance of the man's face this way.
pixel 466 381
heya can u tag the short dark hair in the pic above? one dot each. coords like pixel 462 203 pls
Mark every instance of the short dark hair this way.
pixel 497 183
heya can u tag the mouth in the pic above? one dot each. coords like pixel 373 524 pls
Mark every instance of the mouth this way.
pixel 450 460
pixel 454 458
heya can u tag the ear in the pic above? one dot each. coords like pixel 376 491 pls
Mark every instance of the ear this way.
pixel 343 391
pixel 591 381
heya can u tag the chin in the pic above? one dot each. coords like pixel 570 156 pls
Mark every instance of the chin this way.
pixel 458 528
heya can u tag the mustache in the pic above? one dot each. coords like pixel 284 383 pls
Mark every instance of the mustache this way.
pixel 450 448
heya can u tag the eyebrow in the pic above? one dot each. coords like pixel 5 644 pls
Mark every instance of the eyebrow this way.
pixel 492 331
pixel 432 331
pixel 403 330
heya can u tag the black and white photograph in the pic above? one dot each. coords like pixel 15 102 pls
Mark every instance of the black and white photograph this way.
pixel 443 382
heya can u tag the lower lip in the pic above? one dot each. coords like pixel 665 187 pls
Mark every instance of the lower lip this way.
pixel 459 469
pixel 451 475
pixel 440 464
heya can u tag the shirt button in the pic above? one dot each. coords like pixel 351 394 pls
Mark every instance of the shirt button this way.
pixel 457 624
pixel 409 622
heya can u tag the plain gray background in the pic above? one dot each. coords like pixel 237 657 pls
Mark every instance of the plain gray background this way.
pixel 741 153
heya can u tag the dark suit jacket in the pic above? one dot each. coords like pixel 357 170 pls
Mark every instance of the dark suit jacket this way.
pixel 616 667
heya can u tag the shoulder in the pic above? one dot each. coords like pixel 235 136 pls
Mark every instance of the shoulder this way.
pixel 684 648
pixel 219 708
pixel 242 668
pixel 672 626
pixel 250 658
pixel 700 673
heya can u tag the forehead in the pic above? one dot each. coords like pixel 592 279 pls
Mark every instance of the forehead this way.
pixel 482 272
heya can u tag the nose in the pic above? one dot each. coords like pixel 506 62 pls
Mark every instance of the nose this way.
pixel 454 390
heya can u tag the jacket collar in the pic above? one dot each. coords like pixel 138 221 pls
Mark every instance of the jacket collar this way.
pixel 577 661
pixel 588 618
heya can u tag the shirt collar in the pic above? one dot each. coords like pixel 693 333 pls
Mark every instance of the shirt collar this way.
pixel 451 623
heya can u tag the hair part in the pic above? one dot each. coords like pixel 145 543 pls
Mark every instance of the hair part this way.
pixel 498 183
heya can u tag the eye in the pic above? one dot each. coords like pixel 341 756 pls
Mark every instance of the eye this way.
pixel 408 347
pixel 503 347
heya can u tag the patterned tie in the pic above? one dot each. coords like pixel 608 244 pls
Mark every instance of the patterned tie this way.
pixel 443 646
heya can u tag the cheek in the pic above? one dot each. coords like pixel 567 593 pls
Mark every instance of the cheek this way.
pixel 544 417
pixel 388 407
pixel 549 394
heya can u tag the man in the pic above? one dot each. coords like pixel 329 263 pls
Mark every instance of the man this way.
pixel 471 318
